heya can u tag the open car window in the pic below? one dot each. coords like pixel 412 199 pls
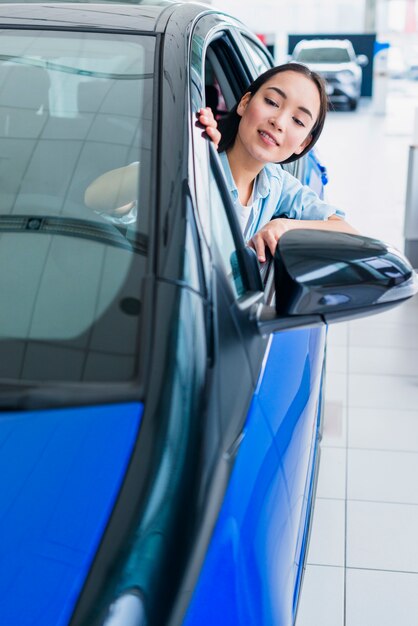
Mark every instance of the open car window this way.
pixel 226 76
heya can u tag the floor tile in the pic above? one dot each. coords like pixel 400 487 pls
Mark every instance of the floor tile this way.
pixel 337 358
pixel 382 476
pixel 335 424
pixel 338 334
pixel 376 598
pixel 374 180
pixel 372 332
pixel 405 314
pixel 383 360
pixel 332 473
pixel 328 531
pixel 383 429
pixel 336 387
pixel 382 536
pixel 386 392
pixel 322 599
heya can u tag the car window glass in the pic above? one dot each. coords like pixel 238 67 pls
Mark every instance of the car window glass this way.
pixel 73 106
pixel 223 238
pixel 257 55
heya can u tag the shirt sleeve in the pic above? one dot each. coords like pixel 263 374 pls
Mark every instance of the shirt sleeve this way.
pixel 300 202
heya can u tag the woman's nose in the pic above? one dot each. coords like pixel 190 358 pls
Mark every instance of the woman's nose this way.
pixel 277 121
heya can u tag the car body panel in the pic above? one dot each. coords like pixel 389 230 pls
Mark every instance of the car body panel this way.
pixel 56 502
pixel 128 17
pixel 259 537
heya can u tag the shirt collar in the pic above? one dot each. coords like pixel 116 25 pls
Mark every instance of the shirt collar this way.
pixel 262 188
pixel 263 184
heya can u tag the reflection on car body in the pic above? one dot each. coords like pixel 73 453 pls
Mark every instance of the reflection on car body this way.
pixel 160 406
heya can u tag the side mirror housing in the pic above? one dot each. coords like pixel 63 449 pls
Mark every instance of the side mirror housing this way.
pixel 326 277
pixel 362 60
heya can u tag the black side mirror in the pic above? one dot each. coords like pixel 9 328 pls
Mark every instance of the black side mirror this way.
pixel 338 275
pixel 325 277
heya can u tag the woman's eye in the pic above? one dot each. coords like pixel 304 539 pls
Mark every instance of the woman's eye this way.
pixel 272 102
pixel 298 122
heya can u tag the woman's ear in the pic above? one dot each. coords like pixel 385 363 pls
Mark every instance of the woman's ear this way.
pixel 243 103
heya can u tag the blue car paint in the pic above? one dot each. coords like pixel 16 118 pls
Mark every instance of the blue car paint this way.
pixel 60 473
pixel 261 530
pixel 309 507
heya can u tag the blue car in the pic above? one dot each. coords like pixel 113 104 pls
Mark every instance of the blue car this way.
pixel 160 392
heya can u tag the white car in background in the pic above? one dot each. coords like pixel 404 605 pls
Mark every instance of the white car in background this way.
pixel 337 62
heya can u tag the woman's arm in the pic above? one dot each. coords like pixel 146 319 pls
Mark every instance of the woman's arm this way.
pixel 269 235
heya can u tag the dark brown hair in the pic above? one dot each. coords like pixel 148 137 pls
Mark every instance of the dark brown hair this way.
pixel 228 126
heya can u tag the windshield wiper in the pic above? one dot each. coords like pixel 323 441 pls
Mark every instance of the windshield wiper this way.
pixel 108 234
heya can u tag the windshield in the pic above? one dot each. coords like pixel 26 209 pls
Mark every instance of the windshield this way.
pixel 75 145
pixel 323 55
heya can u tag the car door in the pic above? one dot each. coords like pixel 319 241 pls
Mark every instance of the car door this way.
pixel 252 568
pixel 295 423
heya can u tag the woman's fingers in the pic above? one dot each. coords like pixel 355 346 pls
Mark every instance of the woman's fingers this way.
pixel 268 237
pixel 214 135
pixel 207 120
pixel 261 241
pixel 206 115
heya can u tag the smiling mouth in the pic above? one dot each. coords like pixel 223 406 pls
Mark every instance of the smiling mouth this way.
pixel 268 138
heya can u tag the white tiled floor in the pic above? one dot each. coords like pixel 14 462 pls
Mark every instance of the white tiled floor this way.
pixel 363 558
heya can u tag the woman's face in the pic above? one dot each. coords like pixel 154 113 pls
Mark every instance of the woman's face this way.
pixel 277 120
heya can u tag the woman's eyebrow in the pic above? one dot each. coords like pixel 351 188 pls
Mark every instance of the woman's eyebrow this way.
pixel 283 95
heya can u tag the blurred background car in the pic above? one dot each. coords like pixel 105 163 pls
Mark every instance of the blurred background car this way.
pixel 337 62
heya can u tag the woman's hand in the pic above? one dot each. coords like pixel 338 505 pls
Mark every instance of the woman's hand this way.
pixel 206 119
pixel 268 236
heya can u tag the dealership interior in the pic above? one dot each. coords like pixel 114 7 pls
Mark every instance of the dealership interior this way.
pixel 362 564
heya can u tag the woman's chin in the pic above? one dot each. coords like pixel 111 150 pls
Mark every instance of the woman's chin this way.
pixel 270 154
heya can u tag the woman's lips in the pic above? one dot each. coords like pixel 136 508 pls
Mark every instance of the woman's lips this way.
pixel 267 138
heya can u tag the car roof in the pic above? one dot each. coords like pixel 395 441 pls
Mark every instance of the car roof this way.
pixel 149 16
pixel 324 43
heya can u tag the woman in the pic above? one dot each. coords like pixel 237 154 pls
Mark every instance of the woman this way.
pixel 277 120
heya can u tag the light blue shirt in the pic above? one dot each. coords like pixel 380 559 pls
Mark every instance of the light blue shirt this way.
pixel 278 194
